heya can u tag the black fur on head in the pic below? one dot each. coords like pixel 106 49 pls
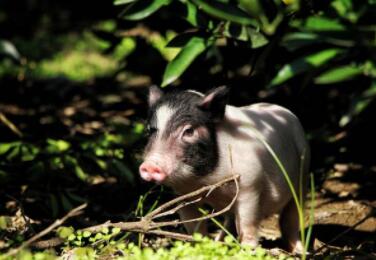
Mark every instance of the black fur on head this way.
pixel 197 110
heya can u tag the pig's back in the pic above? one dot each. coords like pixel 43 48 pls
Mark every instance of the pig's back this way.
pixel 281 129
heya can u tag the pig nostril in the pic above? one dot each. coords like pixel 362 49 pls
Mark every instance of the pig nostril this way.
pixel 150 169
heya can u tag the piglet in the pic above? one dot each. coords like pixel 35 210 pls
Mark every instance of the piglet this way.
pixel 191 136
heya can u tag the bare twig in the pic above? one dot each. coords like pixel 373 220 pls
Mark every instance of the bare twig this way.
pixel 190 195
pixel 174 210
pixel 10 125
pixel 147 224
pixel 175 235
pixel 49 243
pixel 57 223
pixel 212 215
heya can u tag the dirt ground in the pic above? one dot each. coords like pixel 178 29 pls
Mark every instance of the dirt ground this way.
pixel 344 216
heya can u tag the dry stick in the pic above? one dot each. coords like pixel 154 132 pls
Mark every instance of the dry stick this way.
pixel 174 210
pixel 146 224
pixel 174 235
pixel 212 215
pixel 190 195
pixel 58 222
pixel 10 125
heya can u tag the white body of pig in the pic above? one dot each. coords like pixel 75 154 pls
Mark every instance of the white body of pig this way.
pixel 263 188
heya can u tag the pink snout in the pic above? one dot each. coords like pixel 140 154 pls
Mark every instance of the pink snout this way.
pixel 150 171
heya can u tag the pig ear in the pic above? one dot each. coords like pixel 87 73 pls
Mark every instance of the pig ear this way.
pixel 215 102
pixel 155 94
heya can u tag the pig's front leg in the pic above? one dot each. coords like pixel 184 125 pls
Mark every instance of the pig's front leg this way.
pixel 191 212
pixel 247 217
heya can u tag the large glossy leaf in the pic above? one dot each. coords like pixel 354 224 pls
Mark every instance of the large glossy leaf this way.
pixel 182 39
pixel 256 38
pixel 235 31
pixel 225 12
pixel 243 33
pixel 186 56
pixel 8 49
pixel 195 18
pixel 123 2
pixel 339 74
pixel 142 9
pixel 359 104
pixel 253 7
pixel 296 40
pixel 317 23
pixel 344 8
pixel 303 64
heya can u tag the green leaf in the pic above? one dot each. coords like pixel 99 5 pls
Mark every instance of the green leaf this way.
pixel 73 163
pixel 235 31
pixel 122 2
pixel 317 23
pixel 185 57
pixel 253 7
pixel 71 237
pixel 86 234
pixel 182 39
pixel 116 230
pixel 142 9
pixel 192 14
pixel 8 49
pixel 344 8
pixel 105 230
pixel 339 74
pixel 194 17
pixel 65 232
pixel 57 146
pixel 359 104
pixel 303 64
pixel 294 41
pixel 225 12
pixel 256 38
pixel 6 147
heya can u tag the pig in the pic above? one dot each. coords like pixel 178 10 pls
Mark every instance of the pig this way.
pixel 191 136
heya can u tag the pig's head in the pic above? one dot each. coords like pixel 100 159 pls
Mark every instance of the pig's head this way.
pixel 182 138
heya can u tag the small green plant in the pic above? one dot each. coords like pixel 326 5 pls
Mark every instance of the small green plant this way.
pixel 297 195
pixel 202 248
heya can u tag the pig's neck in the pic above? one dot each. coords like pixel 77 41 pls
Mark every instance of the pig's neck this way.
pixel 223 169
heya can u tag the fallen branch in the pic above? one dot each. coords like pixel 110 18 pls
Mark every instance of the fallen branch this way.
pixel 10 125
pixel 57 223
pixel 148 225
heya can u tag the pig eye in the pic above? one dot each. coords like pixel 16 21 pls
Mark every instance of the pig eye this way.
pixel 189 132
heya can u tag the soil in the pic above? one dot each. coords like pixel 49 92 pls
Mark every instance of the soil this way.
pixel 344 216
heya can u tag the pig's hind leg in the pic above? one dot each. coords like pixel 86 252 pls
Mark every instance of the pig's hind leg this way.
pixel 289 224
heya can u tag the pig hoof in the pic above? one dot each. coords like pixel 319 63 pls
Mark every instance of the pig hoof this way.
pixel 298 248
pixel 251 242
